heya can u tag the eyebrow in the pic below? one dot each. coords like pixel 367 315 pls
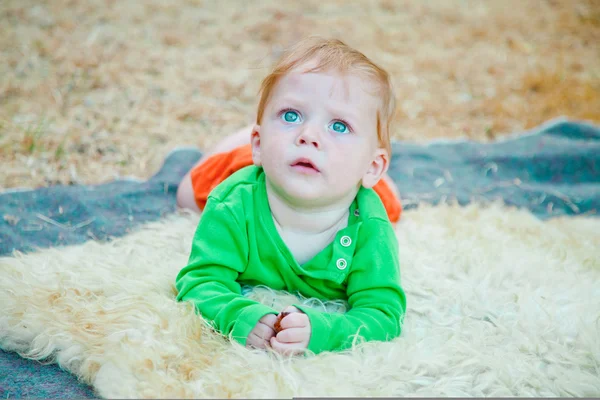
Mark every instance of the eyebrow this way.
pixel 342 114
pixel 292 100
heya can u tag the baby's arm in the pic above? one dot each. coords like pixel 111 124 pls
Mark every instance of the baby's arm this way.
pixel 219 255
pixel 375 296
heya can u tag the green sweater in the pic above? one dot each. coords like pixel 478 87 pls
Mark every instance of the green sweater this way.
pixel 236 243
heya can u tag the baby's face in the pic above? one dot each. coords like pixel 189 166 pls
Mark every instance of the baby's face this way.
pixel 318 137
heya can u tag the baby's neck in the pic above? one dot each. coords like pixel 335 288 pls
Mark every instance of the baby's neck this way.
pixel 307 220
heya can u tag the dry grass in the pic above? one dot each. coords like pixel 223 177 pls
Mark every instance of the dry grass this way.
pixel 543 94
pixel 97 89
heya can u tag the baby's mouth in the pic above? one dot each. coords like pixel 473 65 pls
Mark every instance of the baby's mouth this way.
pixel 304 165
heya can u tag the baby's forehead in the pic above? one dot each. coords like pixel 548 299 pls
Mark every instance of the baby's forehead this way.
pixel 356 74
pixel 346 81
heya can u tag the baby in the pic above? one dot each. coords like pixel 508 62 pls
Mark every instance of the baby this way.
pixel 304 217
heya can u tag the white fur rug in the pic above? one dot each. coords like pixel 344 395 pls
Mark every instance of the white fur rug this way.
pixel 499 304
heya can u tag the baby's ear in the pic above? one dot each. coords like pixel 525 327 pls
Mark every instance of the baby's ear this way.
pixel 255 142
pixel 379 166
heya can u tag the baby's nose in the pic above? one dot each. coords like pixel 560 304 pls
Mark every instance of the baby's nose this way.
pixel 309 136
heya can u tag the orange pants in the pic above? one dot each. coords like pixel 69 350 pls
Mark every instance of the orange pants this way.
pixel 216 168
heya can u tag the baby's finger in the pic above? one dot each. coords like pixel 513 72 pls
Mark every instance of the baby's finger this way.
pixel 263 331
pixel 291 309
pixel 292 335
pixel 269 320
pixel 294 320
pixel 287 348
pixel 255 341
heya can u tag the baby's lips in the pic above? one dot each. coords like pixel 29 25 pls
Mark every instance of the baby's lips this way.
pixel 305 162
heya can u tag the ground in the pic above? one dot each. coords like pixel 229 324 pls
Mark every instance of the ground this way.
pixel 99 89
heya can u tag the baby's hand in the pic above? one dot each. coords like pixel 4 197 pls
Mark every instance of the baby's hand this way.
pixel 262 332
pixel 295 332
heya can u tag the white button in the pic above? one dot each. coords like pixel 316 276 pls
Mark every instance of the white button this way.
pixel 346 241
pixel 341 263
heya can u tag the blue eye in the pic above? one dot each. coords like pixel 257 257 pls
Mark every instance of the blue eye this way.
pixel 291 116
pixel 340 127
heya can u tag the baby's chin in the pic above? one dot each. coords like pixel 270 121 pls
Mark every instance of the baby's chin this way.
pixel 303 194
pixel 314 195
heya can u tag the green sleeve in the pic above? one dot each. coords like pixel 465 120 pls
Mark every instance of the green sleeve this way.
pixel 377 301
pixel 219 255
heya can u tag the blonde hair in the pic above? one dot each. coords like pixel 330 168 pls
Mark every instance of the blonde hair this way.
pixel 334 54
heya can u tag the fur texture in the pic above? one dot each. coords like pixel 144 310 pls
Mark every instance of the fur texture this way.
pixel 499 304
